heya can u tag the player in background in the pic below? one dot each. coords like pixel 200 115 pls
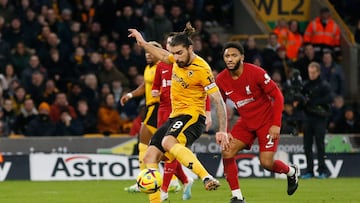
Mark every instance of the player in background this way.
pixel 192 80
pixel 260 103
pixel 161 88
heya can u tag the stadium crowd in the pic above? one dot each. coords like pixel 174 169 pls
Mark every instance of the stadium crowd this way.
pixel 64 65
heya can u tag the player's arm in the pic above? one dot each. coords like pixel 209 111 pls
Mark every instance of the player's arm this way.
pixel 208 120
pixel 272 90
pixel 222 137
pixel 157 52
pixel 139 91
pixel 155 90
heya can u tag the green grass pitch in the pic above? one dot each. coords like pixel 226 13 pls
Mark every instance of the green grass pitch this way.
pixel 255 190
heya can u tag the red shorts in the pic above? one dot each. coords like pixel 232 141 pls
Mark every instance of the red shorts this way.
pixel 242 133
pixel 163 115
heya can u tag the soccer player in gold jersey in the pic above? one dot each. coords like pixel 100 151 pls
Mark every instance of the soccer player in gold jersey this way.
pixel 192 80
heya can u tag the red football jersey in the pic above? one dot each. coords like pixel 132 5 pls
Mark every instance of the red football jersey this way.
pixel 162 82
pixel 251 94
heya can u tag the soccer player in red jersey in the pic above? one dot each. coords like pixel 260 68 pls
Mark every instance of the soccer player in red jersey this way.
pixel 259 102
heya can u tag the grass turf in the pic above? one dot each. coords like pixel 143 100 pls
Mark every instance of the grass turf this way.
pixel 254 189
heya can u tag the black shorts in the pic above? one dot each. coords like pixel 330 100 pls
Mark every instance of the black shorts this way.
pixel 185 128
pixel 150 120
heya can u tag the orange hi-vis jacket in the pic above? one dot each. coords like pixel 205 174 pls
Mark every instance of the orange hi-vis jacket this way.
pixel 329 35
pixel 294 43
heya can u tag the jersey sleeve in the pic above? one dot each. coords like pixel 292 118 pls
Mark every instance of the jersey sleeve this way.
pixel 264 80
pixel 171 58
pixel 271 89
pixel 157 78
pixel 208 82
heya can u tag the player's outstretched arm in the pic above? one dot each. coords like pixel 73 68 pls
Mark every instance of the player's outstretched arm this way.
pixel 139 91
pixel 159 53
pixel 222 137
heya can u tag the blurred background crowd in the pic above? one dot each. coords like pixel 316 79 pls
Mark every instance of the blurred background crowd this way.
pixel 64 65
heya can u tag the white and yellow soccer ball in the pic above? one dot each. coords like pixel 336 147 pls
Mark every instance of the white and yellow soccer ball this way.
pixel 149 180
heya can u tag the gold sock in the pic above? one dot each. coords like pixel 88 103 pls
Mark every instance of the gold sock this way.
pixel 142 151
pixel 189 160
pixel 155 197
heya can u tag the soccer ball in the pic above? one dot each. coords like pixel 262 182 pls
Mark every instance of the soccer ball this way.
pixel 149 181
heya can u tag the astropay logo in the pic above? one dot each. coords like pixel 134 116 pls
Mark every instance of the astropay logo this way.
pixel 85 166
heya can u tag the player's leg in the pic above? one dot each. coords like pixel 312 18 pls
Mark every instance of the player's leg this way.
pixel 268 147
pixel 242 139
pixel 183 131
pixel 151 159
pixel 148 128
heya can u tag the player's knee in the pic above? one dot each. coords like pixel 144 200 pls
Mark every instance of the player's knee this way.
pixel 168 142
pixel 153 155
pixel 266 163
pixel 228 153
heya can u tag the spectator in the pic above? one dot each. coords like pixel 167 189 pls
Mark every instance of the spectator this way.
pixel 87 13
pixel 126 59
pixel 19 98
pixel 50 91
pixel 251 50
pixel 9 116
pixel 282 31
pixel 282 64
pixel 65 33
pixel 109 121
pixel 332 73
pixel 303 62
pixel 87 119
pixel 79 61
pixel 53 42
pixel 20 57
pixel 110 73
pixel 31 28
pixel 68 125
pixel 91 92
pixel 4 52
pixel 269 52
pixel 94 65
pixel 56 67
pixel 292 119
pixel 60 105
pixel 177 18
pixel 350 122
pixel 125 19
pixel 318 97
pixel 14 34
pixel 159 25
pixel 37 87
pixel 111 51
pixel 294 40
pixel 200 50
pixel 27 113
pixel 201 31
pixel 75 93
pixel 34 66
pixel 337 112
pixel 9 75
pixel 216 47
pixel 324 33
pixel 41 125
pixel 6 10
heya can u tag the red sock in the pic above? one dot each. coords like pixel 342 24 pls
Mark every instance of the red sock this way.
pixel 231 173
pixel 169 170
pixel 280 167
pixel 180 172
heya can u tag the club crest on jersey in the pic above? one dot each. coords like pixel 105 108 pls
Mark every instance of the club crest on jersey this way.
pixel 247 89
pixel 190 73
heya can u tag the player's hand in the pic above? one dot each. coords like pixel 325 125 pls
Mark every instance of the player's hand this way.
pixel 223 139
pixel 137 35
pixel 155 93
pixel 125 98
pixel 274 132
